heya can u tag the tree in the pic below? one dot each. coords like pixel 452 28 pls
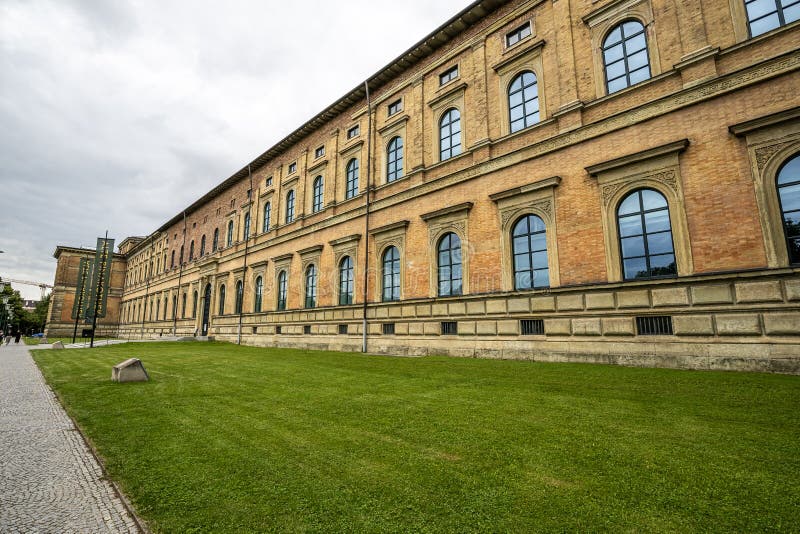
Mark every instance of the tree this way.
pixel 11 312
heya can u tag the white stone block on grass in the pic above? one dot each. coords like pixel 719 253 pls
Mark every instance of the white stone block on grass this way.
pixel 131 370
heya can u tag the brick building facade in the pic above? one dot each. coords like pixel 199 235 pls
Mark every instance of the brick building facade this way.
pixel 568 180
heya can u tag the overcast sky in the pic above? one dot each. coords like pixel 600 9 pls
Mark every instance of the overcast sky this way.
pixel 117 114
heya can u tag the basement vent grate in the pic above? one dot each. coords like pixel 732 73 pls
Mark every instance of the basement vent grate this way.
pixel 388 328
pixel 306 329
pixel 532 327
pixel 449 328
pixel 342 329
pixel 654 325
pixel 277 329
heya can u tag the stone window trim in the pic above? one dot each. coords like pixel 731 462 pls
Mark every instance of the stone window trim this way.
pixel 536 198
pixel 397 128
pixel 656 168
pixel 384 237
pixel 440 222
pixel 529 59
pixel 280 264
pixel 345 155
pixel 741 26
pixel 518 26
pixel 257 269
pixel 770 141
pixel 602 20
pixel 308 256
pixel 345 246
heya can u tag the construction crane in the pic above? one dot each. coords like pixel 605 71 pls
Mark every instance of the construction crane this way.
pixel 40 285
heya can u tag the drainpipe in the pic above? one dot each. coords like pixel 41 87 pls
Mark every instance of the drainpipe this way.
pixel 180 275
pixel 366 218
pixel 246 245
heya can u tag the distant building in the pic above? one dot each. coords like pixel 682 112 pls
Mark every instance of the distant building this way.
pixel 592 181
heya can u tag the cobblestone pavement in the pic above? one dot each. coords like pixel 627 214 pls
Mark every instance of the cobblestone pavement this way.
pixel 49 480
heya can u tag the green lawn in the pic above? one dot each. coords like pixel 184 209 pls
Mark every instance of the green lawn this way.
pixel 237 439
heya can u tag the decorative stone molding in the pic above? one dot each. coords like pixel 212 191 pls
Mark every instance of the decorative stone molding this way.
pixel 345 246
pixel 655 168
pixel 440 222
pixel 383 237
pixel 536 198
pixel 770 141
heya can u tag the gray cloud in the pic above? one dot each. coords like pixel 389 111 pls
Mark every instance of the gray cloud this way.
pixel 116 115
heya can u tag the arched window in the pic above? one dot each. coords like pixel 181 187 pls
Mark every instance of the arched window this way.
pixel 316 203
pixel 351 182
pixel 183 306
pixel 267 216
pixel 247 226
pixel 203 246
pixel 523 101
pixel 645 236
pixel 290 206
pixel 625 56
pixel 215 241
pixel 222 299
pixel 282 290
pixel 450 134
pixel 158 307
pixel 259 294
pixel 191 250
pixel 194 305
pixel 394 159
pixel 346 281
pixel 391 274
pixel 237 307
pixel 449 263
pixel 529 245
pixel 174 307
pixel 180 257
pixel 789 195
pixel 164 263
pixel 311 286
pixel 229 237
pixel 766 15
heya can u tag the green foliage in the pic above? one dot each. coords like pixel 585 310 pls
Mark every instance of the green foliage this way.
pixel 241 439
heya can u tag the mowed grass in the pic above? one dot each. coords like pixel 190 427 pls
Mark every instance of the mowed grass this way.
pixel 238 439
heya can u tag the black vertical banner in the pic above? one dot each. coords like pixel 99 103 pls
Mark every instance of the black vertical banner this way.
pixel 101 272
pixel 82 288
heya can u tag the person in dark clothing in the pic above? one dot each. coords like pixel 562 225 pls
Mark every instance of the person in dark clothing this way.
pixel 17 335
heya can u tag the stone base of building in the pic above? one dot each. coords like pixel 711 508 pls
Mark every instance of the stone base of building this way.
pixel 66 330
pixel 730 321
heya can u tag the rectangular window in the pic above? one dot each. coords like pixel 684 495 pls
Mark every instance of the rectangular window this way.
pixel 532 327
pixel 449 74
pixel 306 329
pixel 396 106
pixel 388 329
pixel 249 193
pixel 255 330
pixel 319 152
pixel 654 325
pixel 277 329
pixel 268 182
pixel 353 132
pixel 293 167
pixel 519 34
pixel 449 328
pixel 342 329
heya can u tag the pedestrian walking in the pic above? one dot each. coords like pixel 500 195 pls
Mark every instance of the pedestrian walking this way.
pixel 17 336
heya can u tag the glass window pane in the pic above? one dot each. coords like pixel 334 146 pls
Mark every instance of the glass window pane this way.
pixel 520 244
pixel 522 262
pixel 653 199
pixel 635 268
pixel 517 125
pixel 444 288
pixel 541 278
pixel 630 204
pixel 637 60
pixel 613 54
pixel 790 197
pixel 791 14
pixel 632 46
pixel 657 221
pixel 791 170
pixel 617 85
pixel 536 223
pixel 632 246
pixel 614 70
pixel 759 8
pixel 663 265
pixel 630 225
pixel 764 25
pixel 614 37
pixel 539 242
pixel 515 99
pixel 522 280
pixel 659 243
pixel 640 75
pixel 540 260
pixel 516 113
pixel 631 27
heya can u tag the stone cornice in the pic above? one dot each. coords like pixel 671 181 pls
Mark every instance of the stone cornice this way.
pixel 536 46
pixel 389 227
pixel 553 181
pixel 466 206
pixel 669 148
pixel 461 87
pixel 316 249
pixel 346 239
pixel 772 119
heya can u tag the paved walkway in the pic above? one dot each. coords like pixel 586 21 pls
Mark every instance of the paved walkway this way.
pixel 49 480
